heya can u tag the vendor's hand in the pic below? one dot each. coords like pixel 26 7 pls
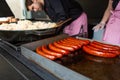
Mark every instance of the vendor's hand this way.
pixel 99 26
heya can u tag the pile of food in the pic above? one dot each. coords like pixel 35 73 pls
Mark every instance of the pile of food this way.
pixel 27 25
pixel 3 20
pixel 7 19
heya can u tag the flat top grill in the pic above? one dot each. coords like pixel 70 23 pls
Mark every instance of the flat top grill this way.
pixel 96 68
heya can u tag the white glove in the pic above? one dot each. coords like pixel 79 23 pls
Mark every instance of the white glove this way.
pixel 99 26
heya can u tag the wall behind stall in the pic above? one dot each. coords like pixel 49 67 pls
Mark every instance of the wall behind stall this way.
pixel 4 9
pixel 95 10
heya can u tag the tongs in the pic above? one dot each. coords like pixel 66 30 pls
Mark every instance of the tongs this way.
pixel 62 22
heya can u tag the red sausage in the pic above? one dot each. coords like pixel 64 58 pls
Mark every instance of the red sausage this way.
pixel 56 49
pixel 40 52
pixel 84 42
pixel 107 46
pixel 97 52
pixel 57 44
pixel 72 43
pixel 69 44
pixel 46 50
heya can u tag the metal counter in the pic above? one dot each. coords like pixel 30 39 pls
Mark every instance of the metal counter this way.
pixel 11 69
pixel 16 67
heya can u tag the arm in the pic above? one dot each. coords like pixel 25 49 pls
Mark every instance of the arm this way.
pixel 107 12
pixel 105 17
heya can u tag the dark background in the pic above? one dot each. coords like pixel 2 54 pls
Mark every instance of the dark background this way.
pixel 4 9
pixel 94 9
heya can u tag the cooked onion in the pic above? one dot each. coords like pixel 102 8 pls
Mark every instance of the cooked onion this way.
pixel 27 25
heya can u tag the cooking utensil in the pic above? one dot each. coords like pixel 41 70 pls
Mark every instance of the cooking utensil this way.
pixel 12 35
pixel 63 22
pixel 53 30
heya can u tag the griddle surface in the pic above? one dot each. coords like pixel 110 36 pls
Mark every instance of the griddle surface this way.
pixel 96 68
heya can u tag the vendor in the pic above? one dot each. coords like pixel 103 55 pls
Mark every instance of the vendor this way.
pixel 60 10
pixel 111 22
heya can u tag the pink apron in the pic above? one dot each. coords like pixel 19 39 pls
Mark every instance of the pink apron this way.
pixel 75 27
pixel 112 32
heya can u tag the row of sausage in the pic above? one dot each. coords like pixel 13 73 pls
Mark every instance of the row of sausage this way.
pixel 102 49
pixel 68 45
pixel 60 48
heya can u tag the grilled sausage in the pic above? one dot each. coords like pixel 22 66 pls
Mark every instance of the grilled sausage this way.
pixel 97 52
pixel 108 49
pixel 40 52
pixel 57 44
pixel 69 44
pixel 46 50
pixel 56 49
pixel 81 41
pixel 106 46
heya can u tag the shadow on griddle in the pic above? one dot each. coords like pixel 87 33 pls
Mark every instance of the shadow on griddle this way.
pixel 71 58
pixel 81 56
pixel 115 60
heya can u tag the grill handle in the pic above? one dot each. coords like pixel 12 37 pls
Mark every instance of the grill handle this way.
pixel 18 49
